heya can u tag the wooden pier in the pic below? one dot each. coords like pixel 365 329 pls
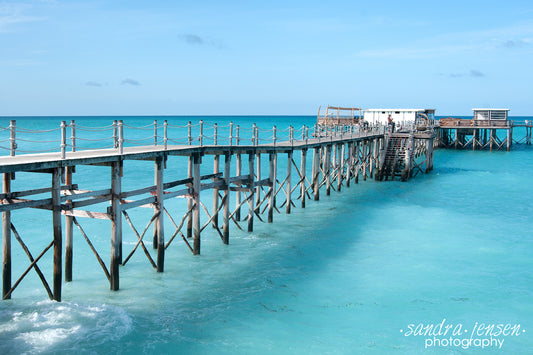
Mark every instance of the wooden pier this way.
pixel 340 155
pixel 479 134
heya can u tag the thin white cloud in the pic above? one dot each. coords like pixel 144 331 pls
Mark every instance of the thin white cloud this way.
pixel 457 43
pixel 196 40
pixel 129 81
pixel 473 73
pixel 14 14
pixel 412 53
pixel 93 83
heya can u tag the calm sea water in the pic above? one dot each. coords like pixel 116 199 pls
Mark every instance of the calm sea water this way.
pixel 350 274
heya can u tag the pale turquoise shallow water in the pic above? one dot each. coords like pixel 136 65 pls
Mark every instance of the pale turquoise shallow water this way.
pixel 344 276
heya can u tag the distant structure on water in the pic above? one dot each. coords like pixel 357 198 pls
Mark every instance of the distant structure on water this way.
pixel 400 116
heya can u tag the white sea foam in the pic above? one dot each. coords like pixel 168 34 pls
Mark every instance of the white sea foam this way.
pixel 51 326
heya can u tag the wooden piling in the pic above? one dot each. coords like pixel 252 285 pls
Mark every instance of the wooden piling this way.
pixel 238 193
pixel 357 161
pixel 375 154
pixel 509 138
pixel 365 158
pixel 251 209
pixel 69 230
pixel 155 240
pixel 340 165
pixel 288 184
pixel 216 170
pixel 6 242
pixel 197 161
pixel 334 162
pixel 58 237
pixel 429 155
pixel 316 173
pixel 303 168
pixel 272 157
pixel 258 178
pixel 327 168
pixel 190 199
pixel 227 175
pixel 160 218
pixel 116 225
pixel 350 164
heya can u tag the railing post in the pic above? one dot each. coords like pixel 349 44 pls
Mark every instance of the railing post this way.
pixel 73 135
pixel 115 134
pixel 291 134
pixel 155 132
pixel 215 135
pixel 306 134
pixel 165 133
pixel 274 138
pixel 12 136
pixel 63 138
pixel 120 137
pixel 231 134
pixel 253 135
pixel 189 134
pixel 238 138
pixel 201 137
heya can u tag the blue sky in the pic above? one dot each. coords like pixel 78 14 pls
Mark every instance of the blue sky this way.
pixel 263 57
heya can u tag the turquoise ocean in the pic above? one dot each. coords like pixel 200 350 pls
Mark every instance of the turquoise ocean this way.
pixel 363 271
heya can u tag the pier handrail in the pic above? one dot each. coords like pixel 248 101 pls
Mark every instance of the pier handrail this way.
pixel 74 137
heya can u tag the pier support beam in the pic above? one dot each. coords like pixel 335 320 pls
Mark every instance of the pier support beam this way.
pixel 216 170
pixel 429 155
pixel 258 178
pixel 509 138
pixel 197 161
pixel 357 161
pixel 375 155
pixel 272 158
pixel 69 231
pixel 365 158
pixel 159 164
pixel 6 242
pixel 288 185
pixel 238 193
pixel 58 237
pixel 340 165
pixel 251 209
pixel 327 168
pixel 350 164
pixel 190 199
pixel 303 168
pixel 116 225
pixel 315 180
pixel 227 174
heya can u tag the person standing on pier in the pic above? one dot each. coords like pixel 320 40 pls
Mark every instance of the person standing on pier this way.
pixel 391 123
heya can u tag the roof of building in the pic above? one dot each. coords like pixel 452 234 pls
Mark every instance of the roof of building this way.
pixel 490 109
pixel 399 109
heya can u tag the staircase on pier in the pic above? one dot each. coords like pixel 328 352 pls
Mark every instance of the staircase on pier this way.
pixel 398 155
